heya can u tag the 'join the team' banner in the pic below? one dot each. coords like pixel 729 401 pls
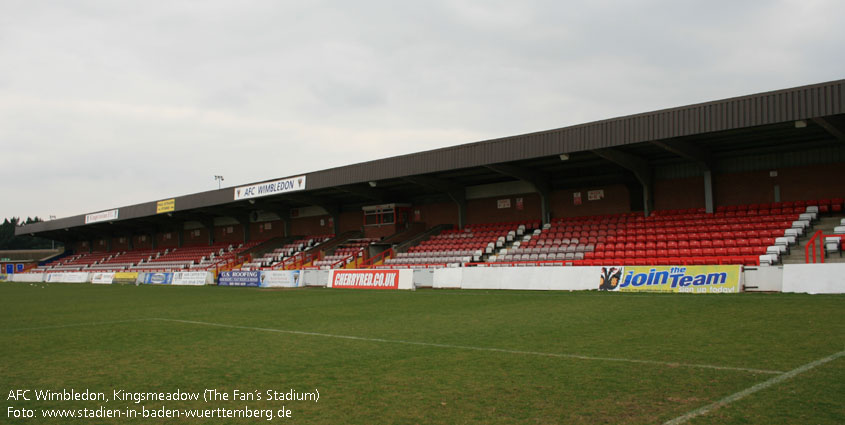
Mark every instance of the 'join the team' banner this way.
pixel 684 279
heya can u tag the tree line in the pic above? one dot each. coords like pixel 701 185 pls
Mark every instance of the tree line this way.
pixel 9 241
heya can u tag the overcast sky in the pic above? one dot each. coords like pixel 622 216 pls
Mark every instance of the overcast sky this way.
pixel 112 103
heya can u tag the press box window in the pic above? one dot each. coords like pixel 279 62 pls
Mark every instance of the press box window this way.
pixel 376 217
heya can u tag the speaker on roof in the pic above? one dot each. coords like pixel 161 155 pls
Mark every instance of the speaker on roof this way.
pixel 253 216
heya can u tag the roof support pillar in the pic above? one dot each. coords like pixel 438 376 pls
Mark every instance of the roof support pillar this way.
pixel 334 212
pixel 284 216
pixel 208 223
pixel 331 209
pixel 708 191
pixel 244 221
pixel 455 192
pixel 153 234
pixel 460 200
pixel 538 181
pixel 639 167
pixel 696 153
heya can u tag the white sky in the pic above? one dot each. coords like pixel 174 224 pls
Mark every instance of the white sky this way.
pixel 112 103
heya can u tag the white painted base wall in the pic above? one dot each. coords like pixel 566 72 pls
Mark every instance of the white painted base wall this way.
pixel 763 279
pixel 518 278
pixel 424 278
pixel 814 278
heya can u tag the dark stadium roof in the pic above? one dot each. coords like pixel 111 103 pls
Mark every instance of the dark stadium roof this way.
pixel 758 124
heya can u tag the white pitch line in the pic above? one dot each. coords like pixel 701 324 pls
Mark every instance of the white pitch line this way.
pixel 73 325
pixel 467 347
pixel 751 390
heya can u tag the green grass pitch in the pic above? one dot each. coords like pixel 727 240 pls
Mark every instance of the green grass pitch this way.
pixel 429 356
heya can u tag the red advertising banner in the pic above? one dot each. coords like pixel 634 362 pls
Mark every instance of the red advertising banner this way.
pixel 366 279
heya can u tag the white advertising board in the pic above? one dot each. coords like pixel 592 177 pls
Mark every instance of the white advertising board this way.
pixel 190 278
pixel 26 277
pixel 75 277
pixel 314 278
pixel 109 215
pixel 280 279
pixel 102 277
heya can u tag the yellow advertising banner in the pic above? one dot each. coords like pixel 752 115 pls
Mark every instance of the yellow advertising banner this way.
pixel 125 277
pixel 168 205
pixel 679 279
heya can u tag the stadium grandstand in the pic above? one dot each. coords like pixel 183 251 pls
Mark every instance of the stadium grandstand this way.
pixel 752 180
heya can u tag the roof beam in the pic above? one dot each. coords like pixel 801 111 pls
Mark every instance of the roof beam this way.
pixel 332 209
pixel 638 166
pixel 687 150
pixel 454 190
pixel 539 181
pixel 837 131
pixel 698 154
pixel 378 195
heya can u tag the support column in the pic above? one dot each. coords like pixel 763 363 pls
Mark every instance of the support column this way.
pixel 687 150
pixel 538 181
pixel 708 191
pixel 455 192
pixel 209 225
pixel 641 170
pixel 245 224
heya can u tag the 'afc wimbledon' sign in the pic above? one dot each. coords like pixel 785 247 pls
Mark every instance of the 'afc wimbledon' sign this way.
pixel 366 279
pixel 101 216
pixel 270 188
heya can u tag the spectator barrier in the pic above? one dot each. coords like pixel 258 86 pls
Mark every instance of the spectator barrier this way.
pixel 814 278
pixel 280 279
pixel 371 279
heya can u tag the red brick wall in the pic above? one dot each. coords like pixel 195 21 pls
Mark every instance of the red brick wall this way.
pixel 81 247
pixel 350 221
pixel 258 231
pixel 163 241
pixel 189 238
pixel 380 231
pixel 679 193
pixel 434 214
pixel 810 183
pixel 233 233
pixel 616 200
pixel 486 210
pixel 796 184
pixel 101 245
pixel 117 245
pixel 311 226
pixel 138 244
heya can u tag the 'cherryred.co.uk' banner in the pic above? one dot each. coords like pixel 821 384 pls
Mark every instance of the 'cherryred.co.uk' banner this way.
pixel 366 279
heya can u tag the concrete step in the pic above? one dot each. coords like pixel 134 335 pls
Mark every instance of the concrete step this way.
pixel 826 225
